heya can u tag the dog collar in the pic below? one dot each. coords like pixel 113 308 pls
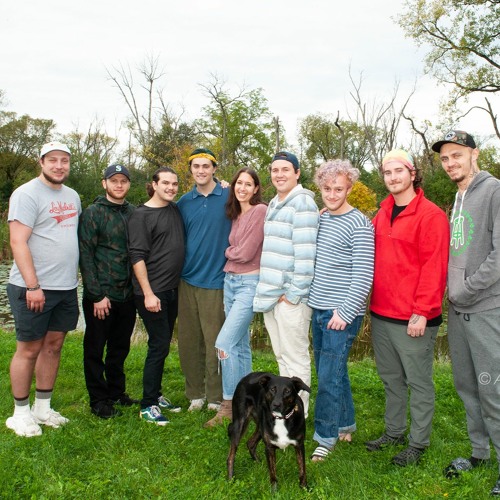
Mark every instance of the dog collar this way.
pixel 288 415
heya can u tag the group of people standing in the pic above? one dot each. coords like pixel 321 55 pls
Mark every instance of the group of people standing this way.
pixel 220 254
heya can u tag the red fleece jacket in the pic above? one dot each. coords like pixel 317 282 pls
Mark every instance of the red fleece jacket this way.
pixel 411 259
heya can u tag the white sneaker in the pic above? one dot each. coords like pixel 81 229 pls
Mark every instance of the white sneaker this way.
pixel 213 406
pixel 24 426
pixel 196 404
pixel 52 419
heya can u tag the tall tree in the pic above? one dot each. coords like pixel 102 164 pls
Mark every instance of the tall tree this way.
pixel 324 137
pixel 239 127
pixel 91 152
pixel 379 120
pixel 168 142
pixel 20 140
pixel 155 130
pixel 464 41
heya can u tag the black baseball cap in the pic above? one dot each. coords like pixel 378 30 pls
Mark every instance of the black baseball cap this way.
pixel 285 155
pixel 455 137
pixel 116 169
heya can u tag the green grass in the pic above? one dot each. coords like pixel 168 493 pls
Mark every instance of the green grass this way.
pixel 124 457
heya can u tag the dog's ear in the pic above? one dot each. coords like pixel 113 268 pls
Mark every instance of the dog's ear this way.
pixel 300 385
pixel 264 380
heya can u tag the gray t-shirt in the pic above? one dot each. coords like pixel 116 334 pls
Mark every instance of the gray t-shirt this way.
pixel 52 214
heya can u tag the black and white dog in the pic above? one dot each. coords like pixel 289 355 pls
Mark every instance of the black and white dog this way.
pixel 274 404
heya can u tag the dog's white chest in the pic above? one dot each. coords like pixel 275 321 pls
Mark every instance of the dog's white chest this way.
pixel 281 432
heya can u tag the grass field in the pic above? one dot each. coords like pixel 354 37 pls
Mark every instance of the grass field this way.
pixel 126 458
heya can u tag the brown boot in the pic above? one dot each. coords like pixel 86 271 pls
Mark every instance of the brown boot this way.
pixel 225 412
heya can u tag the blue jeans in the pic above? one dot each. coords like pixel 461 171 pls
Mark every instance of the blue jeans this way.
pixel 334 410
pixel 234 337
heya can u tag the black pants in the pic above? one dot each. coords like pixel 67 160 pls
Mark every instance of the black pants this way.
pixel 104 375
pixel 160 327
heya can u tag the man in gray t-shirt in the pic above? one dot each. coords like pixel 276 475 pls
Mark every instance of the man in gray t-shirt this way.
pixel 43 222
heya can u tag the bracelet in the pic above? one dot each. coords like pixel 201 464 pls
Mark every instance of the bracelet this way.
pixel 33 289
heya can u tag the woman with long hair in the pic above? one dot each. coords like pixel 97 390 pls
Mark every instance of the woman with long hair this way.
pixel 246 210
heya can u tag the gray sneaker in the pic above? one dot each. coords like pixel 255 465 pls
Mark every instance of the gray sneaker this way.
pixel 383 441
pixel 496 489
pixel 196 404
pixel 166 404
pixel 410 455
pixel 463 465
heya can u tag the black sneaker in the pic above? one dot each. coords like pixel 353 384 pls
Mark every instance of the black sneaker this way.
pixel 463 465
pixel 410 455
pixel 496 489
pixel 126 400
pixel 383 441
pixel 104 409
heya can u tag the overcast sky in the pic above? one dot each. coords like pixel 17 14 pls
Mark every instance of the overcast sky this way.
pixel 54 55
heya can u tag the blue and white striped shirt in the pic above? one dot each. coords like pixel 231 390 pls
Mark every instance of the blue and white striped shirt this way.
pixel 343 271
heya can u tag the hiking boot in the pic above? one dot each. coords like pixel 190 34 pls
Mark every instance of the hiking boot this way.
pixel 152 414
pixel 496 489
pixel 165 404
pixel 24 425
pixel 383 441
pixel 196 404
pixel 410 455
pixel 126 400
pixel 52 418
pixel 104 409
pixel 225 412
pixel 463 465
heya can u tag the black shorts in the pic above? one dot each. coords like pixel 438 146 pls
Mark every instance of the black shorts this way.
pixel 60 313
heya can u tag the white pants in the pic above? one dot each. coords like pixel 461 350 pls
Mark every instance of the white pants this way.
pixel 288 328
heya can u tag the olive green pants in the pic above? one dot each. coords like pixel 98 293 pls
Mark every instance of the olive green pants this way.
pixel 201 316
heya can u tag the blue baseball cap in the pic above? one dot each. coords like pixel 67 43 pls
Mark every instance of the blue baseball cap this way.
pixel 285 155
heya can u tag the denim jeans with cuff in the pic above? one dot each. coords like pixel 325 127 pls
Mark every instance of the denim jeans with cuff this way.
pixel 334 410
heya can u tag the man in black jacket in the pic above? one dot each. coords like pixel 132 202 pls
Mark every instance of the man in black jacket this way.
pixel 108 299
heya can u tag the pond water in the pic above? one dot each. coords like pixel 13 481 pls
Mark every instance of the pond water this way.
pixel 259 338
pixel 6 319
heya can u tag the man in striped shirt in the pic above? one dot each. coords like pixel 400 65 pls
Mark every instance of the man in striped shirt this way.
pixel 287 268
pixel 343 275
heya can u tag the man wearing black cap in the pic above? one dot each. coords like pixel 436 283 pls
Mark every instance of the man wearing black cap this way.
pixel 474 296
pixel 108 300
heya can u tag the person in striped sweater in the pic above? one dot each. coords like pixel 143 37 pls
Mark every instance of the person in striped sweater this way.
pixel 287 268
pixel 343 275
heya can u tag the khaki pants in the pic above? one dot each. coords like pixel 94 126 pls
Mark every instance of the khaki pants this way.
pixel 201 316
pixel 288 328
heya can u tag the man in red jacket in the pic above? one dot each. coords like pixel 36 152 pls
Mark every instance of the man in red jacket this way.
pixel 411 258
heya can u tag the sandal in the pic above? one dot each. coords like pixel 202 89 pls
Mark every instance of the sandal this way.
pixel 347 437
pixel 320 453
